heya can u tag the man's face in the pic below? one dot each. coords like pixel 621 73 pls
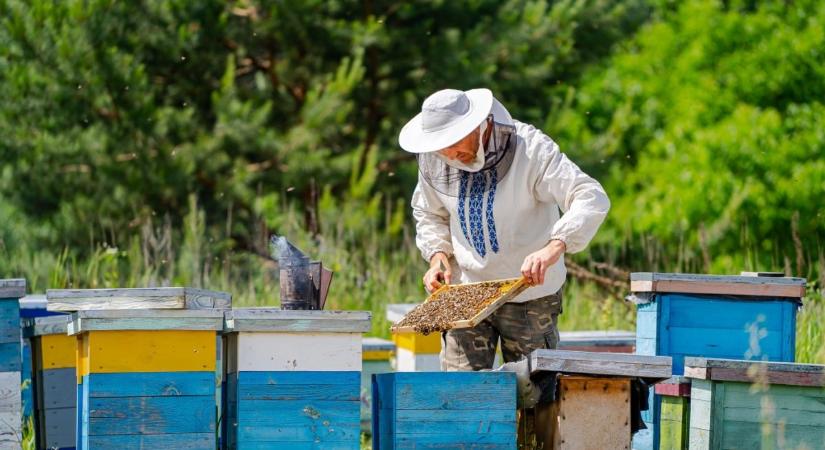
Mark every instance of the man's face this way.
pixel 463 150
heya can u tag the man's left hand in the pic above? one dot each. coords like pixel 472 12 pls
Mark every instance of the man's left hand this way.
pixel 535 264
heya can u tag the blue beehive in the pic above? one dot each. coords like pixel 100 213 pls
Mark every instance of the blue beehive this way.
pixel 31 306
pixel 293 378
pixel 444 410
pixel 10 362
pixel 715 316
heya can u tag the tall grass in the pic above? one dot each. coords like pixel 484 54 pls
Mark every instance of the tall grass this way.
pixel 369 247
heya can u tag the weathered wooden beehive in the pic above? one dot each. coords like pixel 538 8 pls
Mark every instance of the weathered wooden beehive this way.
pixel 444 410
pixel 293 378
pixel 53 381
pixel 146 378
pixel 414 351
pixel 737 317
pixel 674 420
pixel 31 306
pixel 751 405
pixel 10 363
pixel 594 407
pixel 376 357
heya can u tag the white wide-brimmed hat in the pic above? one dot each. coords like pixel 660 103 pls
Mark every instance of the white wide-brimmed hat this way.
pixel 446 117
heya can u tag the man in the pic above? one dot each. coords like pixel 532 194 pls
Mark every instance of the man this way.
pixel 487 207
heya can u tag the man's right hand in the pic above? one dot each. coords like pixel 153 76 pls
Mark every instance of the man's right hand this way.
pixel 439 273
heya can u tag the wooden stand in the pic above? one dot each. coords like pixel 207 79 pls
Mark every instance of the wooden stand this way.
pixel 54 381
pixel 10 364
pixel 750 405
pixel 717 316
pixel 593 408
pixel 293 378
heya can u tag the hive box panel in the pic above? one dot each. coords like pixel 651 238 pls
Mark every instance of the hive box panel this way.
pixel 741 404
pixel 444 409
pixel 376 357
pixel 281 409
pixel 10 410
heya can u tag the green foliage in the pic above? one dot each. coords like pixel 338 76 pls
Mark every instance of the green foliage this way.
pixel 707 130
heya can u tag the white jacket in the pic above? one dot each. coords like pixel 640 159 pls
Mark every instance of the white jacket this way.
pixel 541 180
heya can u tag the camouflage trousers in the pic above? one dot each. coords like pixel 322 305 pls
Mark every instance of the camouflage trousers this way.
pixel 522 328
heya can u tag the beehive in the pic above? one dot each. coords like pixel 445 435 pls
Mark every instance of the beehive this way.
pixel 745 404
pixel 376 357
pixel 674 423
pixel 146 378
pixel 10 363
pixel 293 378
pixel 444 410
pixel 413 351
pixel 738 317
pixel 53 380
pixel 31 306
pixel 595 389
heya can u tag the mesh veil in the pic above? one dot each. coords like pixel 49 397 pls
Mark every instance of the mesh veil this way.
pixel 498 157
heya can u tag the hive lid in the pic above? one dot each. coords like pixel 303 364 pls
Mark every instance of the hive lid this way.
pixel 598 338
pixel 762 286
pixel 146 319
pixel 41 326
pixel 12 288
pixel 137 298
pixel 755 371
pixel 650 368
pixel 275 319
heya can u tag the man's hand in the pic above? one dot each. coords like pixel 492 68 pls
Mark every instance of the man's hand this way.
pixel 439 272
pixel 535 264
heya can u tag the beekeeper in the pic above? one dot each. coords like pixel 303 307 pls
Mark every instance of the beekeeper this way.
pixel 487 206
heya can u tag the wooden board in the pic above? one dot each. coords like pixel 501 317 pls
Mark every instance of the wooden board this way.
pixel 139 298
pixel 653 368
pixel 273 319
pixel 12 288
pixel 56 351
pixel 678 386
pixel 586 401
pixel 408 361
pixel 418 343
pixel 141 319
pixel 674 424
pixel 265 351
pixel 147 351
pixel 717 284
pixel 512 288
pixel 792 374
